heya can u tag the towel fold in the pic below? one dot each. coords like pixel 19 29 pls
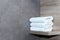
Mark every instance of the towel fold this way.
pixel 41 24
pixel 36 29
pixel 40 29
pixel 48 29
pixel 41 19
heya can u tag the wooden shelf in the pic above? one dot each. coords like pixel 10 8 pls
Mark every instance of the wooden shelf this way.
pixel 46 33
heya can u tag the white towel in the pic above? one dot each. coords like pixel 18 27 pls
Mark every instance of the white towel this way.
pixel 40 24
pixel 36 29
pixel 41 19
pixel 48 29
pixel 41 29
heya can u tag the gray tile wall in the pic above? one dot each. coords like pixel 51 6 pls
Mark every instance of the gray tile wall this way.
pixel 14 16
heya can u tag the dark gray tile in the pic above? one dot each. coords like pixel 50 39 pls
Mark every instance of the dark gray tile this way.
pixel 14 19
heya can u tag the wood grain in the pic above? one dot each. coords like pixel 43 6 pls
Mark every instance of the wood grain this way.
pixel 51 8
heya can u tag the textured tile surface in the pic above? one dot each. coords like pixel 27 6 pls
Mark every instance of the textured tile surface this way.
pixel 14 16
pixel 51 8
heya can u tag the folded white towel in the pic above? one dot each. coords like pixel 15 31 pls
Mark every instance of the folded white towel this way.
pixel 36 29
pixel 40 24
pixel 48 29
pixel 41 19
pixel 40 29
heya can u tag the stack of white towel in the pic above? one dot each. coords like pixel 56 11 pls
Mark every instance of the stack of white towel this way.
pixel 43 24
